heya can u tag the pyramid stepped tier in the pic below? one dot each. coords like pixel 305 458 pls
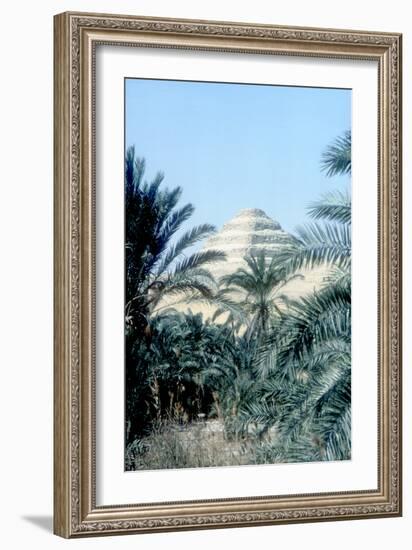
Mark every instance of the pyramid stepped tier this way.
pixel 250 232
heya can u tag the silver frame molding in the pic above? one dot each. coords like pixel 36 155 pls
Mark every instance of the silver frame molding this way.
pixel 76 36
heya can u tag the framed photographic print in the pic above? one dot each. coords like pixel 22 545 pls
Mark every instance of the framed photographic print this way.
pixel 227 274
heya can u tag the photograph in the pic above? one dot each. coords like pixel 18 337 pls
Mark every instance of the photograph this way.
pixel 237 274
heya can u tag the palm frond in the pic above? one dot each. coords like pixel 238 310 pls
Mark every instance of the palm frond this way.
pixel 326 243
pixel 337 157
pixel 174 221
pixel 168 199
pixel 199 259
pixel 189 238
pixel 309 323
pixel 334 206
pixel 338 276
pixel 261 413
pixel 338 439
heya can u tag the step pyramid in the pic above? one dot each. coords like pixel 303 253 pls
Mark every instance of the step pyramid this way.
pixel 249 232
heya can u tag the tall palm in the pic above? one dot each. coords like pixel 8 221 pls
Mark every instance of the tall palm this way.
pixel 259 284
pixel 154 266
pixel 328 238
pixel 306 393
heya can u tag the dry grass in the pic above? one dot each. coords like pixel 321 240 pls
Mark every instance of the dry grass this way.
pixel 192 445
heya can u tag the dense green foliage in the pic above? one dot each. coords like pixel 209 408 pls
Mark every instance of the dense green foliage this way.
pixel 155 268
pixel 274 373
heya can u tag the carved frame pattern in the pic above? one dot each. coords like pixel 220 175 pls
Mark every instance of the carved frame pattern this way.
pixel 76 36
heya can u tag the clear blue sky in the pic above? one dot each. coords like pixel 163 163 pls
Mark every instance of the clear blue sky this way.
pixel 234 146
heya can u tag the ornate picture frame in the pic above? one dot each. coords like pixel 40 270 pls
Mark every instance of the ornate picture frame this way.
pixel 77 512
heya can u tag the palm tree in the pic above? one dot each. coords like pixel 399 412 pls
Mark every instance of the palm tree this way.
pixel 306 392
pixel 230 377
pixel 328 238
pixel 180 350
pixel 259 284
pixel 156 267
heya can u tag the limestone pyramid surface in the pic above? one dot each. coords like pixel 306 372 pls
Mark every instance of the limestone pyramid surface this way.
pixel 248 232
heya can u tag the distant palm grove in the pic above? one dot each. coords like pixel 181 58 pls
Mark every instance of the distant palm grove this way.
pixel 265 378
